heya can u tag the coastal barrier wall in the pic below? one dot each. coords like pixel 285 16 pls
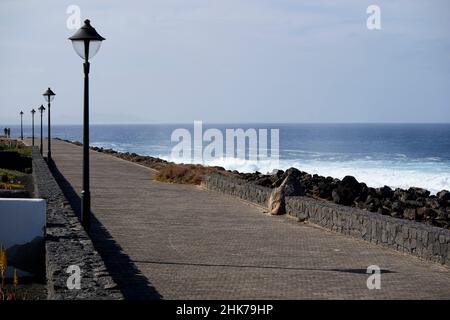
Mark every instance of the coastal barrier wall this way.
pixel 240 188
pixel 414 238
pixel 67 244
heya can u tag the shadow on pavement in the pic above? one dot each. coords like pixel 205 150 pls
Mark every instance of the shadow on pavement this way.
pixel 124 272
pixel 241 266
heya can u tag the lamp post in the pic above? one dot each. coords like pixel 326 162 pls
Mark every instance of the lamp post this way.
pixel 21 125
pixel 49 95
pixel 86 43
pixel 41 110
pixel 32 126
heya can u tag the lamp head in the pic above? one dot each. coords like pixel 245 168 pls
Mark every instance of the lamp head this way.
pixel 86 41
pixel 49 95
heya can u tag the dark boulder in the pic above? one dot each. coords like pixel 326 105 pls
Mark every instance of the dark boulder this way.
pixel 386 203
pixel 427 213
pixel 372 203
pixel 264 181
pixel 325 188
pixel 419 192
pixel 420 202
pixel 398 193
pixel 413 203
pixel 306 177
pixel 292 186
pixel 372 192
pixel 397 206
pixel 443 195
pixel 406 195
pixel 385 192
pixel 364 192
pixel 293 172
pixel 277 173
pixel 442 215
pixel 432 202
pixel 306 181
pixel 347 191
pixel 424 213
pixel 442 219
pixel 410 213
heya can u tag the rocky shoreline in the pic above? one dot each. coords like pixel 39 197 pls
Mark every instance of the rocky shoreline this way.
pixel 413 204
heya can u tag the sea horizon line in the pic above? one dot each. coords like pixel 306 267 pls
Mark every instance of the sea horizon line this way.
pixel 244 123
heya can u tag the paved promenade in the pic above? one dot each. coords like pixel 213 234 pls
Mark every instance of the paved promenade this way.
pixel 180 242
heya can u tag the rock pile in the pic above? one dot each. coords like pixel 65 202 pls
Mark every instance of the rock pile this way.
pixel 413 204
pixel 152 162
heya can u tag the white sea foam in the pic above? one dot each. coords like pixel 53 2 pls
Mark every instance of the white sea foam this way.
pixel 378 176
pixel 399 172
pixel 373 173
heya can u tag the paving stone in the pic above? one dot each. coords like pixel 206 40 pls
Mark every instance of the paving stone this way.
pixel 172 241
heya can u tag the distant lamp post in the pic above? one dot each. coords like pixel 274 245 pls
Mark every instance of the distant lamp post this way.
pixel 49 95
pixel 86 42
pixel 32 126
pixel 21 125
pixel 41 110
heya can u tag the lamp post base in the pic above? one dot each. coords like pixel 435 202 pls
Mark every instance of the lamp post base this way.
pixel 86 210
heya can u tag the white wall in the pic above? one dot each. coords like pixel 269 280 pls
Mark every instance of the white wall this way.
pixel 21 220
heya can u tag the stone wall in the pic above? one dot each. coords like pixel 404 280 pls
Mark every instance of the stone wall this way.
pixel 418 239
pixel 67 243
pixel 238 188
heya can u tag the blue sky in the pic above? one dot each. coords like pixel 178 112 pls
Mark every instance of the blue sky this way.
pixel 231 61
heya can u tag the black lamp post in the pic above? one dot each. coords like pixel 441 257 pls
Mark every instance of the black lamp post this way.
pixel 21 125
pixel 41 110
pixel 86 42
pixel 32 126
pixel 49 95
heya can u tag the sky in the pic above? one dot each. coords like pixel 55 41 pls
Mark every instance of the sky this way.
pixel 228 61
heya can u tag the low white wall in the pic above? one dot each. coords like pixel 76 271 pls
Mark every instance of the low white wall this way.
pixel 21 220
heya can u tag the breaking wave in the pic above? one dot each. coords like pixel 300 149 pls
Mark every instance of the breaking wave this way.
pixel 431 176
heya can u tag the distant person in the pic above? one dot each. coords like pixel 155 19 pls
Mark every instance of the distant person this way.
pixel 9 132
pixel 6 132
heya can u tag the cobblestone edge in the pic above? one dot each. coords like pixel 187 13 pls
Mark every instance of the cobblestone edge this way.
pixel 66 243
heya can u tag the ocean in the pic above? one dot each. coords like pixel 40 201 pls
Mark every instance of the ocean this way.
pixel 397 155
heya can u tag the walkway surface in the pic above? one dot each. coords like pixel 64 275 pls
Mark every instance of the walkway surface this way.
pixel 181 242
